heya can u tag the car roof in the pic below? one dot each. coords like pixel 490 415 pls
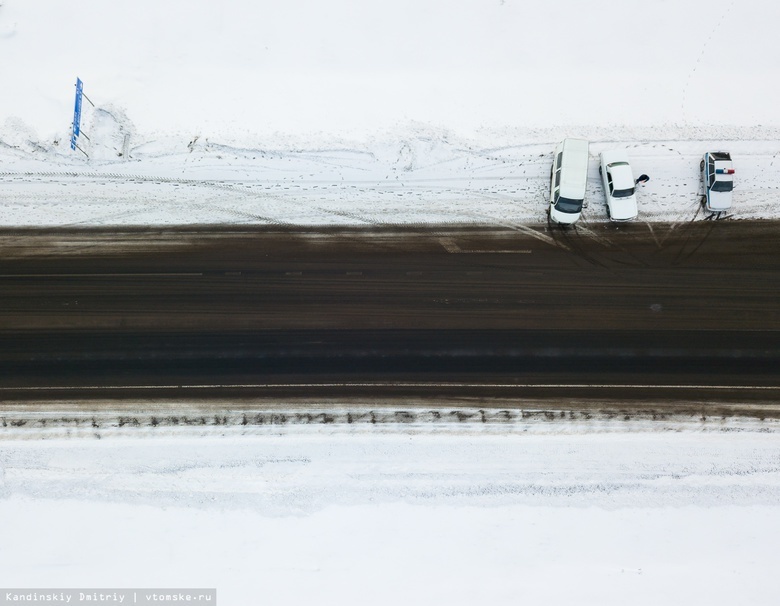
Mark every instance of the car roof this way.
pixel 576 145
pixel 722 161
pixel 622 177
pixel 574 167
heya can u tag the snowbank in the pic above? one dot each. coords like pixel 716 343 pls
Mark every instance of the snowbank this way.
pixel 352 517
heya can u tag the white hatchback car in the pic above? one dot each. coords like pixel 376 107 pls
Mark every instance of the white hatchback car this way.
pixel 618 181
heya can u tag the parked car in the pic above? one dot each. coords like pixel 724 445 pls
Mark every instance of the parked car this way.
pixel 618 181
pixel 717 172
pixel 568 179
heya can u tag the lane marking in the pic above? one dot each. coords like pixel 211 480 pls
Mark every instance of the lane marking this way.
pixel 498 252
pixel 445 385
pixel 451 246
pixel 127 275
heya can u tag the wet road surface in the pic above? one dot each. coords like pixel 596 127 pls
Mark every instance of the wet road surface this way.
pixel 627 313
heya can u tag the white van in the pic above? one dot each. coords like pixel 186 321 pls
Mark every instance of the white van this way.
pixel 569 178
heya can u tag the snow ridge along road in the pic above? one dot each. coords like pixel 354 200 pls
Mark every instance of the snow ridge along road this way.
pixel 191 418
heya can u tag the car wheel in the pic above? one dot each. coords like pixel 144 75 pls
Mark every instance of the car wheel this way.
pixel 701 166
pixel 599 170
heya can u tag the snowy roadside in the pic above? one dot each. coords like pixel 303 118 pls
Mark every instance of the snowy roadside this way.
pixel 425 181
pixel 464 517
pixel 144 419
pixel 397 113
pixel 270 470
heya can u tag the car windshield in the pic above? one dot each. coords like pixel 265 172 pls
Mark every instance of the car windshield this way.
pixel 723 186
pixel 567 205
pixel 623 193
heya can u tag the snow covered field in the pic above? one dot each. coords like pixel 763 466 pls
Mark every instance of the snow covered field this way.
pixel 385 514
pixel 310 113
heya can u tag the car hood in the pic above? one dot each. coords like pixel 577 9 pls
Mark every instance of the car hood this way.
pixel 719 200
pixel 564 218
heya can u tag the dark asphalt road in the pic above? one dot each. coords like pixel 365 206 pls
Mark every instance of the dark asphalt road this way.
pixel 625 313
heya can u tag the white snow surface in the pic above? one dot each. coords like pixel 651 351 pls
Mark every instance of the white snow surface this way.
pixel 390 514
pixel 391 113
